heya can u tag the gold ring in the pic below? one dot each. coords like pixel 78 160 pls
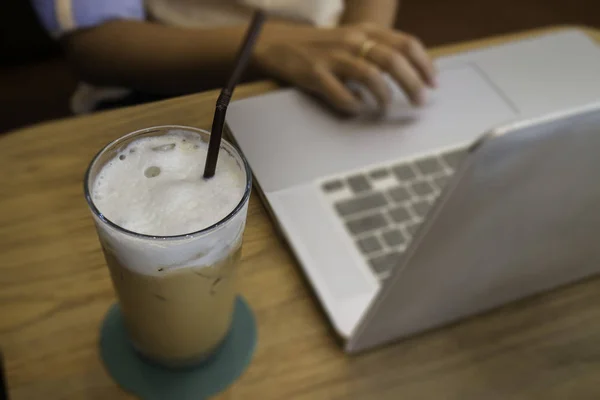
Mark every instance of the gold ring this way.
pixel 366 47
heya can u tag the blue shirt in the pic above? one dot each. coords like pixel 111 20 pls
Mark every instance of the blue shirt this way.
pixel 63 16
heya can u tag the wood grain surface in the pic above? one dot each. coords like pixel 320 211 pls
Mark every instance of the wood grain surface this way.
pixel 55 290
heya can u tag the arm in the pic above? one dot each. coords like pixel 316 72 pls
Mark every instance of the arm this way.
pixel 117 46
pixel 163 59
pixel 378 12
pixel 111 43
pixel 155 58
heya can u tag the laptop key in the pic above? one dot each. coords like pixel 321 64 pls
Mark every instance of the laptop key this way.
pixel 429 166
pixel 369 245
pixel 359 204
pixel 394 238
pixel 359 184
pixel 421 208
pixel 399 194
pixel 412 229
pixel 422 188
pixel 366 224
pixel 380 173
pixel 385 262
pixel 400 214
pixel 454 158
pixel 333 186
pixel 441 181
pixel 404 172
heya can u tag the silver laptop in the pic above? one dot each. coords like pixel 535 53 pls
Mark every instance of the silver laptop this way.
pixel 411 221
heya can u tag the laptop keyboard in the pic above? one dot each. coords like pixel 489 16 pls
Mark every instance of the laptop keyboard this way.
pixel 382 208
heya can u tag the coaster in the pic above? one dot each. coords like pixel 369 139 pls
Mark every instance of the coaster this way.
pixel 152 382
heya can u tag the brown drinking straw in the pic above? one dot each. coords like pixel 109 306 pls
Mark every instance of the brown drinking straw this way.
pixel 241 61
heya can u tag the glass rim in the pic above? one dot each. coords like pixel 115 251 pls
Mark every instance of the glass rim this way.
pixel 224 144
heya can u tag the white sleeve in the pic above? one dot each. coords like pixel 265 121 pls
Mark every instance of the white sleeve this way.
pixel 316 12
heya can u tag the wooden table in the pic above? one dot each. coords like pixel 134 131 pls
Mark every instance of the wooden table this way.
pixel 55 290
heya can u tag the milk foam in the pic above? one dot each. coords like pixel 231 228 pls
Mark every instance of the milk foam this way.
pixel 154 186
pixel 176 200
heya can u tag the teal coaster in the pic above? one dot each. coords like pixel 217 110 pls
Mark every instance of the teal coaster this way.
pixel 152 382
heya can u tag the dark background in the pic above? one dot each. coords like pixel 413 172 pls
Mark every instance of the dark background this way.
pixel 35 82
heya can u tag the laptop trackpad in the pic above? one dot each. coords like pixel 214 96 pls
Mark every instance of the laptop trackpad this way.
pixel 290 139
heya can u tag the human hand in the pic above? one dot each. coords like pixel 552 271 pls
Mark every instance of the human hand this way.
pixel 322 60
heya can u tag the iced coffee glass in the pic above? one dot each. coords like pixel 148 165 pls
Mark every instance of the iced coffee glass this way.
pixel 171 239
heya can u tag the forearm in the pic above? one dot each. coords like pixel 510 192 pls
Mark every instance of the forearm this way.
pixel 378 12
pixel 157 58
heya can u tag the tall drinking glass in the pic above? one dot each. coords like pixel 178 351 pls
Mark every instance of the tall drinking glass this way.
pixel 176 293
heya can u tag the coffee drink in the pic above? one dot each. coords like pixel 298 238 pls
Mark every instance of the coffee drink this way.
pixel 171 238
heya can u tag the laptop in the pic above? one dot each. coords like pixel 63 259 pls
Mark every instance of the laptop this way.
pixel 411 221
